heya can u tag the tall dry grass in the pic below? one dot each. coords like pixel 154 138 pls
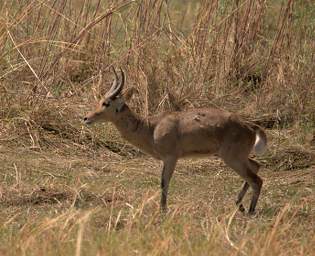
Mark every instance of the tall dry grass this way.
pixel 253 57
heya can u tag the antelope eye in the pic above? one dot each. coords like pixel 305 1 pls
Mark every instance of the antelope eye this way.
pixel 105 104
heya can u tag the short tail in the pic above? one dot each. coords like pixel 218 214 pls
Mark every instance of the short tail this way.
pixel 260 145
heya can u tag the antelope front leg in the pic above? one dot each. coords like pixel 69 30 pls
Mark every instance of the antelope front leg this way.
pixel 167 172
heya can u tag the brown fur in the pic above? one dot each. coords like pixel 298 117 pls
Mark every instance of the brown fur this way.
pixel 196 132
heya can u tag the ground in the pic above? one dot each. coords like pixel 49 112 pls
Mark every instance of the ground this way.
pixel 99 203
pixel 68 189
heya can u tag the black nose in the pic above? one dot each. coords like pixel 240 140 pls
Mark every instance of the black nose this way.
pixel 86 120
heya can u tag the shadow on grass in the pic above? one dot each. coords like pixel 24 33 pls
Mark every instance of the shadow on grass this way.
pixel 37 197
pixel 48 196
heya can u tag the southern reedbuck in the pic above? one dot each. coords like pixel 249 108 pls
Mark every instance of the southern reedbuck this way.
pixel 196 132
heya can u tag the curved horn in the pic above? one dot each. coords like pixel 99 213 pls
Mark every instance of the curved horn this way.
pixel 114 91
pixel 114 84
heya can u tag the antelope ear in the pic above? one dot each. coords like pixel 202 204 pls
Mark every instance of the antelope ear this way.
pixel 127 94
pixel 119 104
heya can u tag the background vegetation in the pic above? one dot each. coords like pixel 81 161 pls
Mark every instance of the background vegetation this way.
pixel 68 189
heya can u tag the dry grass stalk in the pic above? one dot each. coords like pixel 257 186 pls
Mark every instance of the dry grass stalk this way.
pixel 246 56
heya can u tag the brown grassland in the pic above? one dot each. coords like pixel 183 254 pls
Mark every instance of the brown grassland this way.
pixel 68 189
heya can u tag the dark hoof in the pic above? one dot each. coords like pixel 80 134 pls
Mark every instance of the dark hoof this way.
pixel 241 208
pixel 251 214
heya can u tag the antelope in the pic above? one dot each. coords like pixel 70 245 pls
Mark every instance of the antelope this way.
pixel 196 132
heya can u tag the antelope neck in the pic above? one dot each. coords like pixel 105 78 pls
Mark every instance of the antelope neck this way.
pixel 135 130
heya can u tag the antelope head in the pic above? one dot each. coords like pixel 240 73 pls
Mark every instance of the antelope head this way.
pixel 111 105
